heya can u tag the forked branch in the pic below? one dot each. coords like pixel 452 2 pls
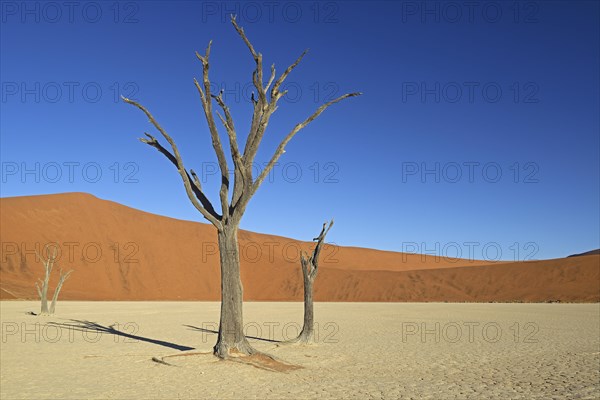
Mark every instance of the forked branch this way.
pixel 175 157
pixel 257 75
pixel 281 148
pixel 275 94
pixel 206 98
pixel 230 128
pixel 310 264
pixel 196 185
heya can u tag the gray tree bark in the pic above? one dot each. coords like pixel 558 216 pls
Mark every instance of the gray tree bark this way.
pixel 231 337
pixel 61 280
pixel 233 205
pixel 310 265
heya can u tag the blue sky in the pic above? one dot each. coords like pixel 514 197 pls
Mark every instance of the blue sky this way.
pixel 477 134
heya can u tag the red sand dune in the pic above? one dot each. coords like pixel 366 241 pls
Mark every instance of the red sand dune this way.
pixel 120 253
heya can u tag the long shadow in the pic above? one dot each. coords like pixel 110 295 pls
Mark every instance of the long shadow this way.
pixel 216 332
pixel 84 326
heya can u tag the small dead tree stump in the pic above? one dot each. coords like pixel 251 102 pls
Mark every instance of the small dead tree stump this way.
pixel 310 265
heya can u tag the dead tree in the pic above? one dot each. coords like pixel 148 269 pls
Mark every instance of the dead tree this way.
pixel 310 267
pixel 42 285
pixel 231 338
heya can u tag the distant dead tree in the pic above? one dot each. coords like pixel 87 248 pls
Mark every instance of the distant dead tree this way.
pixel 231 338
pixel 42 285
pixel 310 267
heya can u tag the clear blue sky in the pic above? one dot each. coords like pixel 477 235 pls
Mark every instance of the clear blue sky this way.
pixel 477 124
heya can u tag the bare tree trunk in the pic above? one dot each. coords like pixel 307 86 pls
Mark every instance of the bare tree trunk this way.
pixel 42 287
pixel 307 332
pixel 231 327
pixel 61 281
pixel 44 297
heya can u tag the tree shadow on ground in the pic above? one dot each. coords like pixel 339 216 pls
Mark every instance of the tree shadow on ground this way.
pixel 216 332
pixel 85 326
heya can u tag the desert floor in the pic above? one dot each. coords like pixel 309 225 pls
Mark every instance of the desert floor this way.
pixel 363 350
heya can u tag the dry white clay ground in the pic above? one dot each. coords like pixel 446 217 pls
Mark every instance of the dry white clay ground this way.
pixel 364 350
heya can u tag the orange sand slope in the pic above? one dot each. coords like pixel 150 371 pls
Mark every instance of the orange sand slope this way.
pixel 120 253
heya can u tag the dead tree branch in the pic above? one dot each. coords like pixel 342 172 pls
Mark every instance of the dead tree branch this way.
pixel 175 157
